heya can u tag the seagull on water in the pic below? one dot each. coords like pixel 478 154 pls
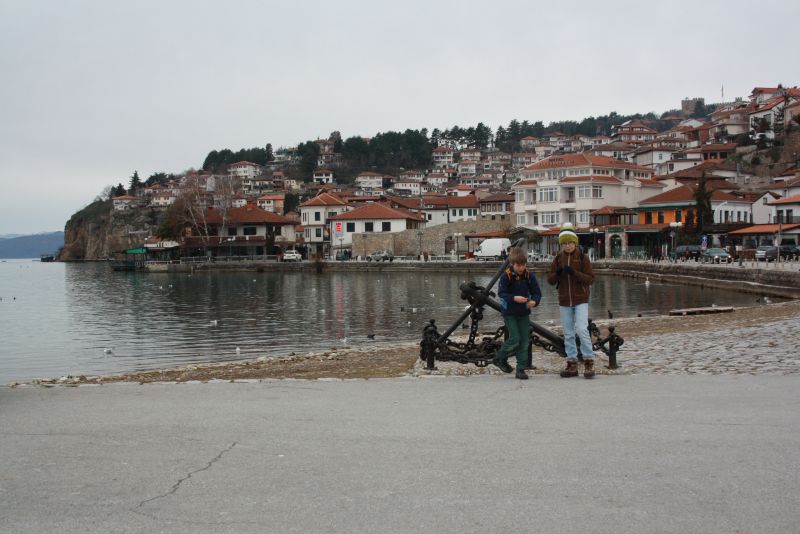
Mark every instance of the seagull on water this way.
pixel 214 322
pixel 108 351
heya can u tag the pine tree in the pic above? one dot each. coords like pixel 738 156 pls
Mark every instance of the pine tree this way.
pixel 135 183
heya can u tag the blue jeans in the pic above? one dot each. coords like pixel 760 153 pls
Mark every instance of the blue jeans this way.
pixel 576 318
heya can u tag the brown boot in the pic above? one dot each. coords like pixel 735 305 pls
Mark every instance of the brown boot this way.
pixel 588 368
pixel 571 369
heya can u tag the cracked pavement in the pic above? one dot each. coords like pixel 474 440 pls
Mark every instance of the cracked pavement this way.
pixel 632 453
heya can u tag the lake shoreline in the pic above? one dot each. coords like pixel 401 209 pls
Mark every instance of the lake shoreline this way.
pixel 402 360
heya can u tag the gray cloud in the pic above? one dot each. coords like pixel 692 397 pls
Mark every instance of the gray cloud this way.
pixel 95 89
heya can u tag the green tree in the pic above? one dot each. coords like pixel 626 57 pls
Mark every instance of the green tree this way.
pixel 269 155
pixel 290 202
pixel 702 197
pixel 135 183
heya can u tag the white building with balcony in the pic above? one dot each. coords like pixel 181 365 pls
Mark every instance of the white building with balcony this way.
pixel 568 188
pixel 314 215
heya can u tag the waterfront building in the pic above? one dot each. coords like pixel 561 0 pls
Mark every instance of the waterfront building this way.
pixel 568 188
pixel 633 131
pixel 345 228
pixel 369 181
pixel 314 215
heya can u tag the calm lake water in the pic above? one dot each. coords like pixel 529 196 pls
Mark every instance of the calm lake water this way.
pixel 58 319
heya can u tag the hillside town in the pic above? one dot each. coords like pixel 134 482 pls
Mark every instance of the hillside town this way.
pixel 729 178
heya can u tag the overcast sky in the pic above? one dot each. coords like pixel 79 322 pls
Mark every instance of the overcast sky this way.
pixel 93 90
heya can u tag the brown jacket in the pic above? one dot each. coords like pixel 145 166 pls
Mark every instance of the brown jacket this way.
pixel 573 289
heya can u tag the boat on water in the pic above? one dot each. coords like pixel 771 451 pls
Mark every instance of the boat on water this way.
pixel 47 257
pixel 132 259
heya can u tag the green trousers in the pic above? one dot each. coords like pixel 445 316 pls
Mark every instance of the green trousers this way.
pixel 518 328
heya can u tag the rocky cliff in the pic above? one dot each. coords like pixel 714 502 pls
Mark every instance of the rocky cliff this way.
pixel 96 231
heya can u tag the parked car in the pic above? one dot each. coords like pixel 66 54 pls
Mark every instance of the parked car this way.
pixel 688 252
pixel 380 255
pixel 788 251
pixel 716 255
pixel 292 255
pixel 767 253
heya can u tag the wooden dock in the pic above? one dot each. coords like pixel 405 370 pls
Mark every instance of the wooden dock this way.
pixel 702 311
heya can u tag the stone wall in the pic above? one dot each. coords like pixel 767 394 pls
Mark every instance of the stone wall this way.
pixel 433 239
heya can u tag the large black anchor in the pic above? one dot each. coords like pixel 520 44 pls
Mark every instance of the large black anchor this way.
pixel 435 346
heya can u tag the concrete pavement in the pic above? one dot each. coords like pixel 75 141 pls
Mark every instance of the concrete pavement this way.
pixel 437 454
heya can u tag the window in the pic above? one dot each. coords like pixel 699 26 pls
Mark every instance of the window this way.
pixel 648 217
pixel 548 194
pixel 318 232
pixel 368 227
pixel 351 227
pixel 597 191
pixel 454 213
pixel 584 191
pixel 677 215
pixel 249 230
pixel 660 217
pixel 317 216
pixel 549 218
pixel 386 226
pixel 583 216
pixel 231 230
pixel 461 212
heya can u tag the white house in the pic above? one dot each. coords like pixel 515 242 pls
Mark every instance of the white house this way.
pixel 314 215
pixel 408 186
pixel 373 217
pixel 244 170
pixel 787 210
pixel 442 157
pixel 323 176
pixel 497 206
pixel 272 203
pixel 162 199
pixel 568 188
pixel 125 202
pixel 369 181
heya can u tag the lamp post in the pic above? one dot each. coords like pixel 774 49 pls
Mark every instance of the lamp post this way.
pixel 674 227
pixel 456 236
pixel 419 237
pixel 595 246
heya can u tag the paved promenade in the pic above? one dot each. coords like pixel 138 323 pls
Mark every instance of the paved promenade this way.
pixel 635 453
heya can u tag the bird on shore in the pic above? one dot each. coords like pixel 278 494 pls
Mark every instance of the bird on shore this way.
pixel 409 323
pixel 610 315
pixel 647 282
pixel 238 351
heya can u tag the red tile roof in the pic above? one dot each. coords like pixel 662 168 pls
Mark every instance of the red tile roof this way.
pixel 794 199
pixel 376 211
pixel 525 182
pixel 324 199
pixel 764 229
pixel 582 160
pixel 246 214
pixel 468 201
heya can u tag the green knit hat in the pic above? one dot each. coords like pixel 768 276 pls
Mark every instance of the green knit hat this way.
pixel 567 235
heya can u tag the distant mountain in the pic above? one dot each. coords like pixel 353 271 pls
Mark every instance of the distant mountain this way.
pixel 31 246
pixel 10 236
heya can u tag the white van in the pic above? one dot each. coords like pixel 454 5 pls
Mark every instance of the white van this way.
pixel 491 249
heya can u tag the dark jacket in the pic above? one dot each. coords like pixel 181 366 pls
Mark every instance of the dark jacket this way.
pixel 524 285
pixel 573 289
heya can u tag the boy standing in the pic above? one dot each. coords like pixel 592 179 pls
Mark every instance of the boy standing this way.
pixel 519 292
pixel 571 273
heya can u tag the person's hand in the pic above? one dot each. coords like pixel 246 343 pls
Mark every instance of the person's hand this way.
pixel 532 303
pixel 569 270
pixel 521 300
pixel 559 270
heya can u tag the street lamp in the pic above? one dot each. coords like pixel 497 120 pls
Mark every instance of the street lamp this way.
pixel 419 236
pixel 674 227
pixel 456 236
